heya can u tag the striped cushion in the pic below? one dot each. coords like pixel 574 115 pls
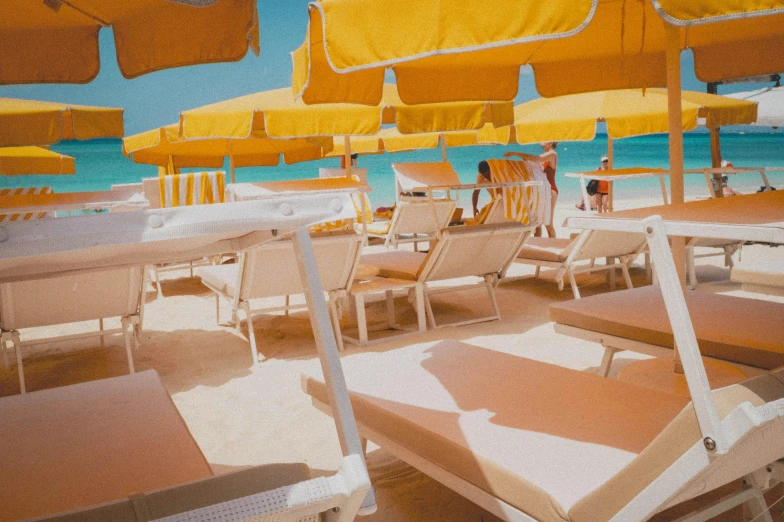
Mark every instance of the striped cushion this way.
pixel 24 192
pixel 193 188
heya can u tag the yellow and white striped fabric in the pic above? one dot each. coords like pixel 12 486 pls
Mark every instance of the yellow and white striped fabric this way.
pixel 518 200
pixel 193 188
pixel 5 218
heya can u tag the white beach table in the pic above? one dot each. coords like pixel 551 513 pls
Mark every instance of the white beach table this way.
pixel 72 201
pixel 753 217
pixel 615 175
pixel 265 190
pixel 79 244
pixel 712 173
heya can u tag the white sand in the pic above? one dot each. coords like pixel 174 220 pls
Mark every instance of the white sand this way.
pixel 243 415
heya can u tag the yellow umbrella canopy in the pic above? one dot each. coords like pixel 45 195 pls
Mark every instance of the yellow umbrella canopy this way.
pixel 630 112
pixel 279 115
pixel 164 147
pixel 56 41
pixel 580 47
pixel 391 140
pixel 28 122
pixel 20 161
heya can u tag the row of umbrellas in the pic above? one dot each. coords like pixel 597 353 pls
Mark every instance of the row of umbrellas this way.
pixel 255 130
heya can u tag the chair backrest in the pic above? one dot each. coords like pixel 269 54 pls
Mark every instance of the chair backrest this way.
pixel 473 251
pixel 25 192
pixel 179 190
pixel 361 175
pixel 493 212
pixel 603 243
pixel 409 176
pixel 271 269
pixel 416 217
pixel 71 297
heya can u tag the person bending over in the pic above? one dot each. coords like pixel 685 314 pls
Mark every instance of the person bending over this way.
pixel 549 161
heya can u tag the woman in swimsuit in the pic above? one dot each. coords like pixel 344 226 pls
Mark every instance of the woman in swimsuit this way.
pixel 549 160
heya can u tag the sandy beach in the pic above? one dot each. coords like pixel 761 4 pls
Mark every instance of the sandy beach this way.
pixel 242 415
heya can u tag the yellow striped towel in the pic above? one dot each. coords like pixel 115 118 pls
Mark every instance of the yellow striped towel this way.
pixel 192 188
pixel 519 202
pixel 25 192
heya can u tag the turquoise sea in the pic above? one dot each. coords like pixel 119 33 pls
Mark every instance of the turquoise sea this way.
pixel 100 163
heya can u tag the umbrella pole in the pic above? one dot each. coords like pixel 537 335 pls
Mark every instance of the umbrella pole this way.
pixel 443 147
pixel 715 140
pixel 610 165
pixel 676 152
pixel 231 162
pixel 362 198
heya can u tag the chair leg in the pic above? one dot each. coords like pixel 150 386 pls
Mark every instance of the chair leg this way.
pixel 690 267
pixel 390 301
pixel 648 268
pixel 288 302
pixel 100 329
pixel 429 309
pixel 611 272
pixel 491 292
pixel 333 312
pixel 607 359
pixel 191 266
pixel 4 348
pixel 420 307
pixel 17 343
pixel 254 353
pixel 536 273
pixel 361 319
pixel 217 309
pixel 157 281
pixel 626 277
pixel 573 284
pixel 126 325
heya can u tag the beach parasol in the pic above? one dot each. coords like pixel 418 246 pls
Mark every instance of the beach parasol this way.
pixel 20 161
pixel 165 148
pixel 770 105
pixel 56 41
pixel 29 122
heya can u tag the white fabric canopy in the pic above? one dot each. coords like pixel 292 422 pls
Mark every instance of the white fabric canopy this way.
pixel 770 109
pixel 46 247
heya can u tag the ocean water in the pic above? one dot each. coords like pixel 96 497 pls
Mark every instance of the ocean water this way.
pixel 100 163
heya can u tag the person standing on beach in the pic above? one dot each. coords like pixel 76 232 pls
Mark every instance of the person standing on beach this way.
pixel 602 197
pixel 549 161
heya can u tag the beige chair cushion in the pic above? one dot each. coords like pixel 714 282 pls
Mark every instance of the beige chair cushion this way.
pixel 763 274
pixel 557 444
pixel 398 264
pixel 91 443
pixel 545 249
pixel 538 436
pixel 379 228
pixel 222 278
pixel 736 329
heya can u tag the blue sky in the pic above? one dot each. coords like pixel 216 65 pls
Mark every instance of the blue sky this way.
pixel 156 99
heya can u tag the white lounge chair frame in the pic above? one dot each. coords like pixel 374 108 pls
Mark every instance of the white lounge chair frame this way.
pixel 610 178
pixel 129 306
pixel 714 173
pixel 730 447
pixel 728 249
pixel 229 227
pixel 252 261
pixel 583 248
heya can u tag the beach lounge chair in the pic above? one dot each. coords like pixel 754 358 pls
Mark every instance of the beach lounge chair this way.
pixel 575 256
pixel 271 271
pixel 745 332
pixel 483 251
pixel 109 241
pixel 118 449
pixel 493 212
pixel 23 192
pixel 57 299
pixel 727 249
pixel 765 278
pixel 180 190
pixel 528 440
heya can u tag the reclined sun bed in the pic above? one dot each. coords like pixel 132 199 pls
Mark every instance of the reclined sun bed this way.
pixel 271 271
pixel 91 244
pixel 576 256
pixel 528 440
pixel 746 332
pixel 117 449
pixel 484 251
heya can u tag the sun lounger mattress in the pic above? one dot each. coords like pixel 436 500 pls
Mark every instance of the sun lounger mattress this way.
pixel 90 443
pixel 538 436
pixel 735 329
